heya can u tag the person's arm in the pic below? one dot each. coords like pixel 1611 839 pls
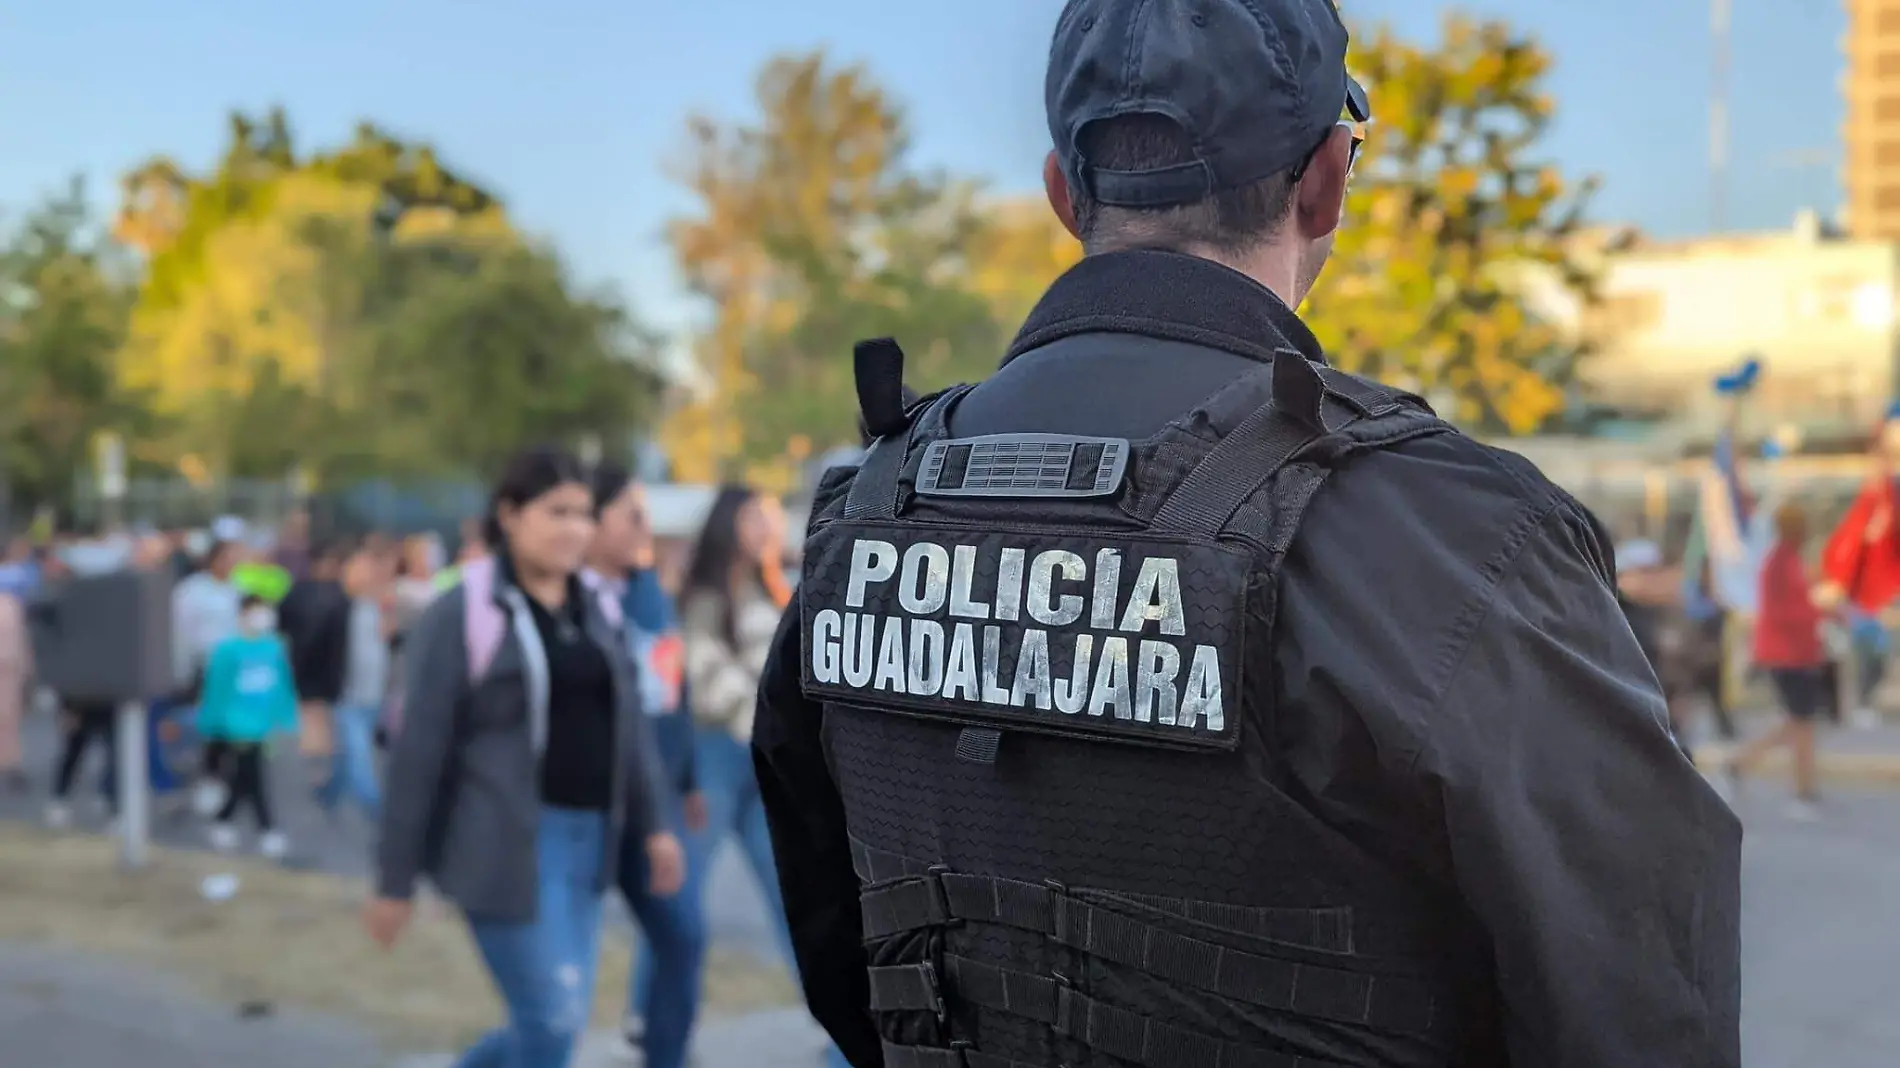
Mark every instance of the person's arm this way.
pixel 806 817
pixel 213 695
pixel 437 678
pixel 650 795
pixel 285 720
pixel 689 762
pixel 1604 868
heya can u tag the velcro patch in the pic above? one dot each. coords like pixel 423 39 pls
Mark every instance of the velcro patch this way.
pixel 1126 638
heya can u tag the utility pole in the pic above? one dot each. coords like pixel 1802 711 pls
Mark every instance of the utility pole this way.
pixel 1718 114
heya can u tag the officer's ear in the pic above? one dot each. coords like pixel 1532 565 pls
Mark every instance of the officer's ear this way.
pixel 1057 186
pixel 1319 200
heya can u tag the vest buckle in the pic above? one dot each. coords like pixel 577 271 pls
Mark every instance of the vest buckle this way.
pixel 1066 998
pixel 1058 911
pixel 936 993
pixel 940 895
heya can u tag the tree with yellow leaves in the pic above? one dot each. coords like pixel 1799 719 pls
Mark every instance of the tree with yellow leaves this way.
pixel 1449 211
pixel 813 232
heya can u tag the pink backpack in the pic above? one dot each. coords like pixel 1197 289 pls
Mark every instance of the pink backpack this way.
pixel 484 624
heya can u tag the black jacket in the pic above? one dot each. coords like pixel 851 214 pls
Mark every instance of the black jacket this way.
pixel 315 620
pixel 1459 693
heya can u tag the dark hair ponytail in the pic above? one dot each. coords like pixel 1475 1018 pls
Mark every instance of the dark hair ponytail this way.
pixel 529 474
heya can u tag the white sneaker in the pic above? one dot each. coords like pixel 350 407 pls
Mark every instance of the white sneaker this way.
pixel 58 816
pixel 207 798
pixel 273 845
pixel 223 837
pixel 1864 719
pixel 1801 810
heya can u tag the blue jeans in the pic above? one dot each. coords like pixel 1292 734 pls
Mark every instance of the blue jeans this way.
pixel 544 969
pixel 158 766
pixel 723 766
pixel 666 984
pixel 353 764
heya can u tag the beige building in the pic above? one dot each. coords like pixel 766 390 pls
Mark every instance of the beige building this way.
pixel 1871 86
pixel 1818 307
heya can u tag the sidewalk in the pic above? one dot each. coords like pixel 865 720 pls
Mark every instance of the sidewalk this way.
pixel 1818 950
pixel 1847 756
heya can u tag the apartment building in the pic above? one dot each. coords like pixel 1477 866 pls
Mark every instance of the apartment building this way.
pixel 1871 86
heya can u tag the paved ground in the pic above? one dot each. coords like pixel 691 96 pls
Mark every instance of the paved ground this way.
pixel 342 846
pixel 1822 942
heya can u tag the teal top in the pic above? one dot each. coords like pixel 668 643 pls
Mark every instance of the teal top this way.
pixel 248 692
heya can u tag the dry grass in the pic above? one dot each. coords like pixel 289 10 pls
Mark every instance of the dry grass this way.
pixel 291 938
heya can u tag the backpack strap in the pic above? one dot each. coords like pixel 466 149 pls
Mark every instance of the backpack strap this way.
pixel 1310 402
pixel 483 623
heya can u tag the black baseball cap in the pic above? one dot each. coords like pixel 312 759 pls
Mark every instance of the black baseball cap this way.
pixel 1257 85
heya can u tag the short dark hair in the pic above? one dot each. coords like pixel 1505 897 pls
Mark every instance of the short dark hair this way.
pixel 1232 221
pixel 608 480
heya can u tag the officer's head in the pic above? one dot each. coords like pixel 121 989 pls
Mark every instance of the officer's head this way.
pixel 1219 128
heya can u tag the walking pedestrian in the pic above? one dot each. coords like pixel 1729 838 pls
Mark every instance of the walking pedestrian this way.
pixel 730 602
pixel 1788 646
pixel 205 611
pixel 16 673
pixel 522 763
pixel 359 705
pixel 314 619
pixel 247 699
pixel 665 986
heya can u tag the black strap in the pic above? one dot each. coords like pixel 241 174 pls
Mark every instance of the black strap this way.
pixel 907 987
pixel 874 493
pixel 896 1056
pixel 1294 417
pixel 878 367
pixel 1385 1002
pixel 1114 1031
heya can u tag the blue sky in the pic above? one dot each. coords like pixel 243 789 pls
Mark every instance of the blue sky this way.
pixel 569 107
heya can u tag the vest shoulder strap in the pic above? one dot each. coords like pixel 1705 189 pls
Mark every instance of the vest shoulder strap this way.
pixel 875 492
pixel 1312 408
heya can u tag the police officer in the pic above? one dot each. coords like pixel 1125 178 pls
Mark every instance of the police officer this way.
pixel 1173 699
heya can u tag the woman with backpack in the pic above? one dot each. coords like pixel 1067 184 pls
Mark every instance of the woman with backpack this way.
pixel 522 763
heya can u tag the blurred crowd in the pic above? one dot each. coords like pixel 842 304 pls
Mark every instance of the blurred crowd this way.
pixel 1821 653
pixel 294 639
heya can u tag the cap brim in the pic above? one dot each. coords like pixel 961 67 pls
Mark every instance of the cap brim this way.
pixel 1356 103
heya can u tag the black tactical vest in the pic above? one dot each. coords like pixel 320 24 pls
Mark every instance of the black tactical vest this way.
pixel 1047 673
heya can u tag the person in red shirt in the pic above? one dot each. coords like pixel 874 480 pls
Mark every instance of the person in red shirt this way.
pixel 1788 647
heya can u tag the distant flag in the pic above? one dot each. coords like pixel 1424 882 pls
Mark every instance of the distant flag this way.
pixel 1729 537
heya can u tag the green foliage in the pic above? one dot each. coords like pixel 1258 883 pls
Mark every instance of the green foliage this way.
pixel 1450 215
pixel 814 233
pixel 360 311
pixel 63 305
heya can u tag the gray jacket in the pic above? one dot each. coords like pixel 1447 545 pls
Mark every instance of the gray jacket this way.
pixel 462 802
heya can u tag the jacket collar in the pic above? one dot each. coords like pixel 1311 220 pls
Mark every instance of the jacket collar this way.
pixel 1166 295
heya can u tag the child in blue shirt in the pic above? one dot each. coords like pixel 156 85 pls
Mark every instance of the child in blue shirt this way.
pixel 248 696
